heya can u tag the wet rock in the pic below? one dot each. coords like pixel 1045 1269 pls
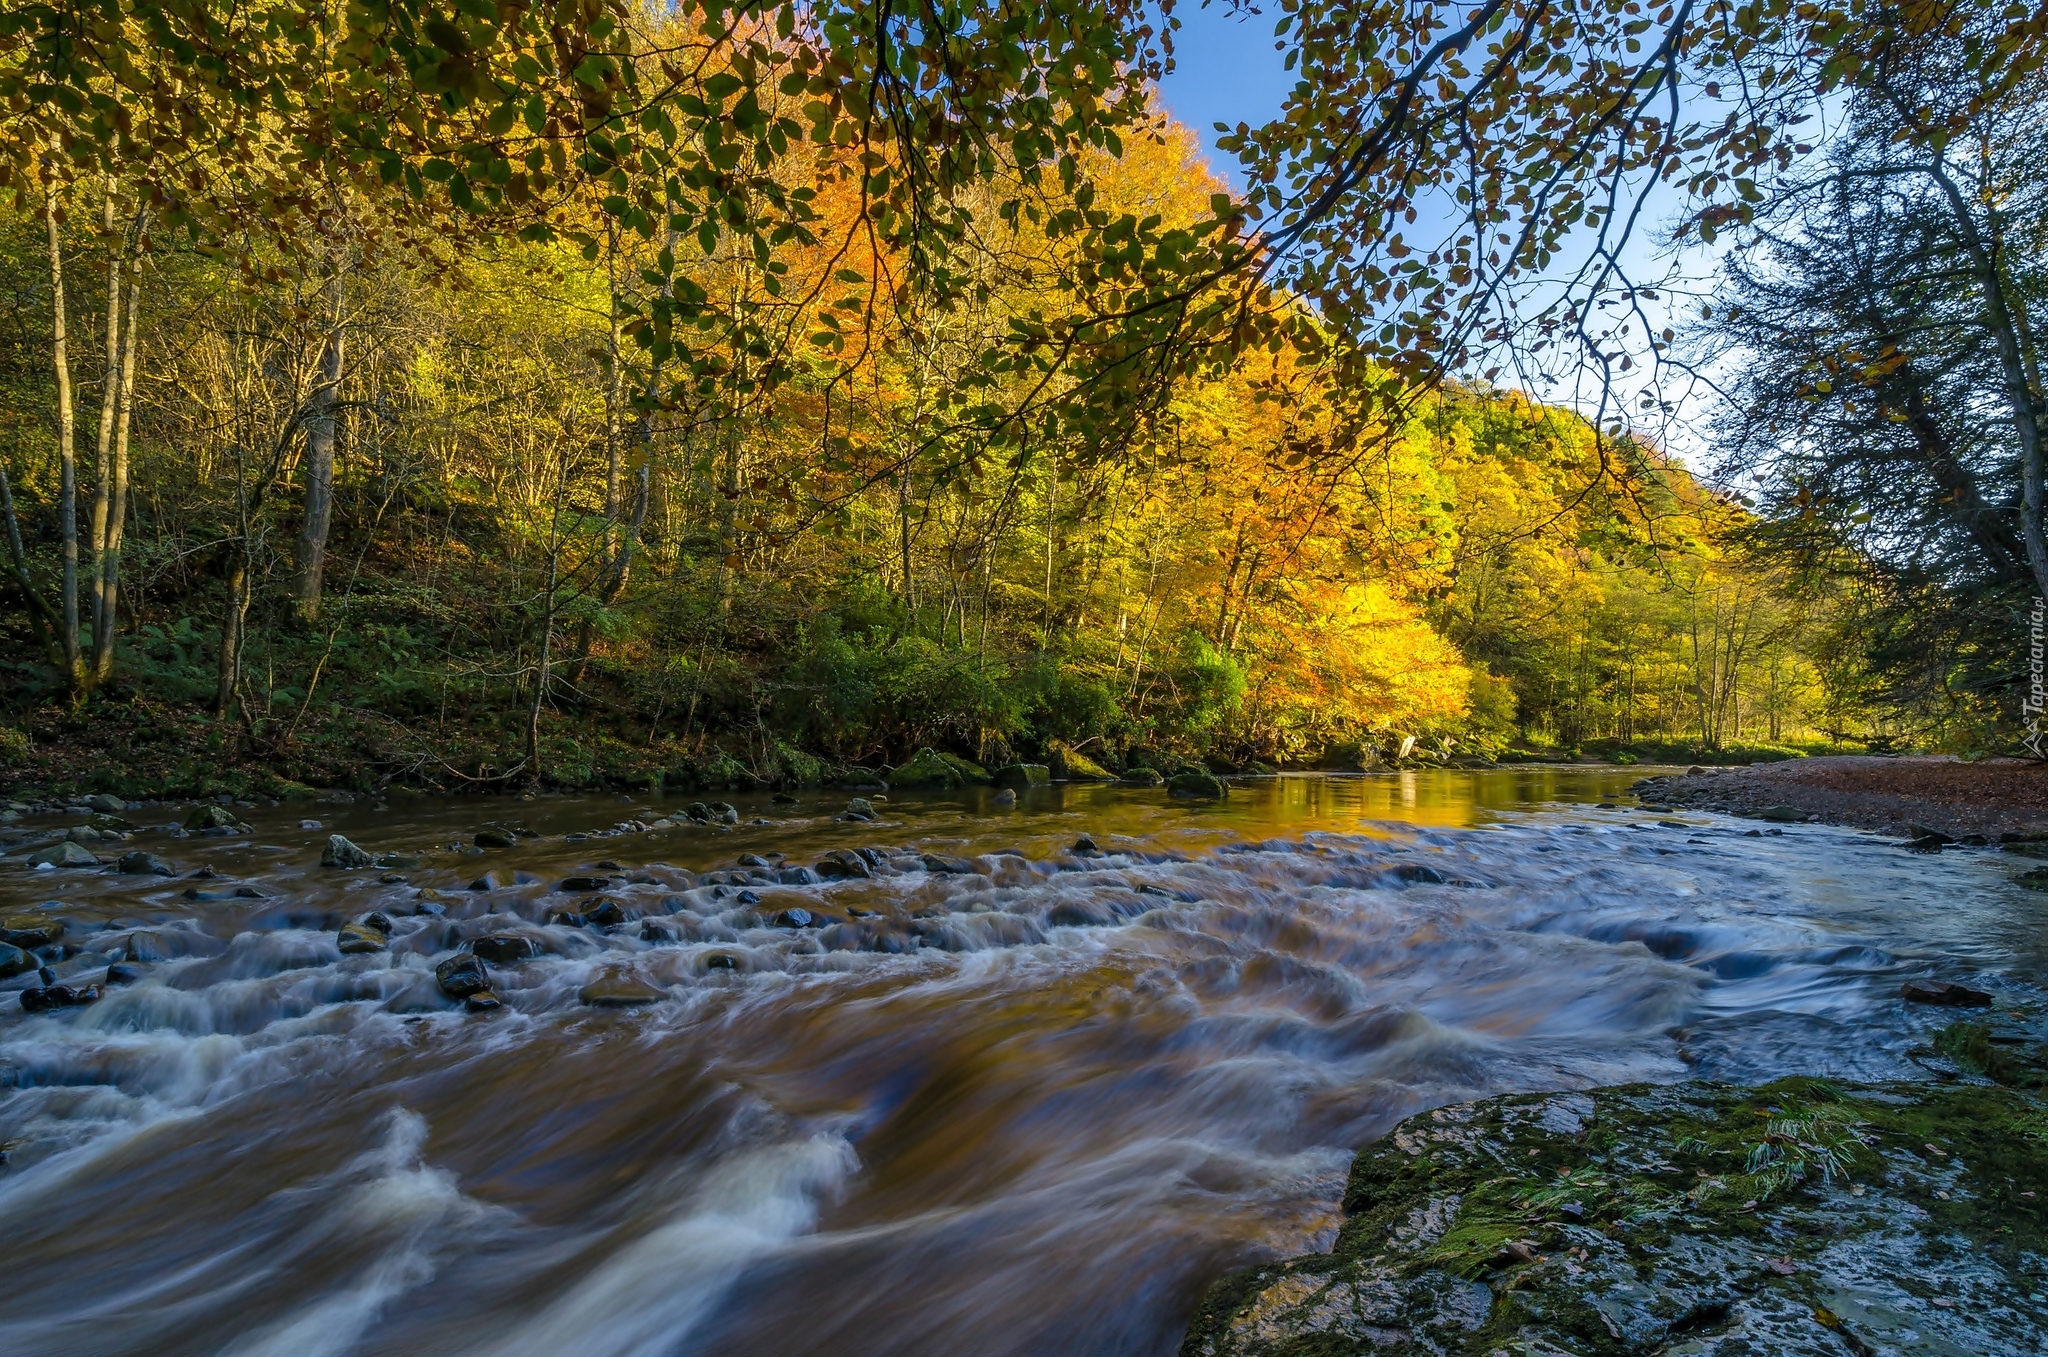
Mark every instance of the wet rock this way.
pixel 721 961
pixel 499 879
pixel 64 854
pixel 753 860
pixel 143 864
pixel 125 973
pixel 214 817
pixel 14 961
pixel 1080 914
pixel 483 1001
pixel 619 989
pixel 47 997
pixel 30 930
pixel 379 921
pixel 1086 845
pixel 495 838
pixel 842 863
pixel 1942 993
pixel 1069 764
pixel 794 918
pixel 942 864
pixel 860 808
pixel 1022 775
pixel 105 804
pixel 462 975
pixel 796 876
pixel 600 913
pixel 1004 799
pixel 584 883
pixel 359 939
pixel 145 947
pixel 1782 815
pixel 1419 873
pixel 343 855
pixel 1693 1218
pixel 505 949
pixel 1142 777
pixel 1196 786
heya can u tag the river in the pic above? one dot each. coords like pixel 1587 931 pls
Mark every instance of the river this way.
pixel 999 1098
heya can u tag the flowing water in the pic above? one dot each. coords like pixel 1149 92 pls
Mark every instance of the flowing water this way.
pixel 1000 1097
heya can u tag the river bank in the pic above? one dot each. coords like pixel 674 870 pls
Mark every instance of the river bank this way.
pixel 1987 801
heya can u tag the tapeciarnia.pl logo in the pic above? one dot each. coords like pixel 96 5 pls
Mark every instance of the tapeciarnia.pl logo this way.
pixel 2037 686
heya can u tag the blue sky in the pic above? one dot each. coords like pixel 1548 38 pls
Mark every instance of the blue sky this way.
pixel 1227 71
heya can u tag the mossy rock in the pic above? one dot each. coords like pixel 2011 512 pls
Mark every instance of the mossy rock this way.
pixel 1197 786
pixel 1142 777
pixel 928 769
pixel 1070 765
pixel 1798 1217
pixel 1023 775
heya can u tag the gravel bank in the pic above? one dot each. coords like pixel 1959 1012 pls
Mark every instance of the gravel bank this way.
pixel 1995 798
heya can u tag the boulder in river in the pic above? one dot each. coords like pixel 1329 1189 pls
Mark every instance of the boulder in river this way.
pixel 1069 764
pixel 860 808
pixel 358 939
pixel 938 772
pixel 343 855
pixel 105 804
pixel 462 975
pixel 944 864
pixel 794 918
pixel 1781 815
pixel 125 973
pixel 1945 994
pixel 1023 775
pixel 505 949
pixel 211 816
pixel 584 883
pixel 64 854
pixel 14 961
pixel 841 863
pixel 496 838
pixel 30 930
pixel 1798 1217
pixel 47 997
pixel 599 913
pixel 483 1001
pixel 1004 799
pixel 1143 777
pixel 619 989
pixel 143 864
pixel 1197 786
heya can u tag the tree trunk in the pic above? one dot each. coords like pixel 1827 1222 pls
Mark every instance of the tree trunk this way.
pixel 67 455
pixel 231 632
pixel 311 555
pixel 109 591
pixel 41 614
pixel 110 397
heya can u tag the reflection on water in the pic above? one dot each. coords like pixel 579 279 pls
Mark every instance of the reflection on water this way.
pixel 985 1092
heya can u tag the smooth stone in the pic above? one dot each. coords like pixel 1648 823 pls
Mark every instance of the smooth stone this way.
pixel 144 947
pixel 462 975
pixel 1781 815
pixel 213 817
pixel 1003 799
pixel 378 920
pixel 495 838
pixel 1142 777
pixel 942 864
pixel 596 914
pixel 860 808
pixel 796 876
pixel 1946 995
pixel 793 918
pixel 483 1001
pixel 343 855
pixel 584 883
pixel 106 805
pixel 64 854
pixel 618 989
pixel 505 949
pixel 1023 775
pixel 30 930
pixel 143 864
pixel 125 973
pixel 58 996
pixel 841 863
pixel 357 939
pixel 14 961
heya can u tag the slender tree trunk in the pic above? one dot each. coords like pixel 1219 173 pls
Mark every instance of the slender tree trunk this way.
pixel 231 627
pixel 67 455
pixel 110 398
pixel 311 556
pixel 109 592
pixel 41 614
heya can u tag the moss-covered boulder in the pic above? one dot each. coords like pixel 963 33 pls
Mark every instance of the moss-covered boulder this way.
pixel 1023 775
pixel 1070 765
pixel 928 769
pixel 1197 786
pixel 1798 1217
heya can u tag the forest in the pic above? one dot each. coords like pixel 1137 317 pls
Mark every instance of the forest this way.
pixel 583 394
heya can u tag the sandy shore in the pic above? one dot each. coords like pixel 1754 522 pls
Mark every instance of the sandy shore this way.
pixel 1994 798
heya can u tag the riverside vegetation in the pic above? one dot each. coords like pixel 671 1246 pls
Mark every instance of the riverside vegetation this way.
pixel 687 415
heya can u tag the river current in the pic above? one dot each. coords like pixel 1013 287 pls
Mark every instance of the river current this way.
pixel 1020 1084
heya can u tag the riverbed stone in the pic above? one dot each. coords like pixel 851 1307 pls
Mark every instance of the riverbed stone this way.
pixel 619 989
pixel 842 863
pixel 126 973
pixel 344 855
pixel 1006 799
pixel 495 838
pixel 213 817
pixel 1022 775
pixel 505 949
pixel 929 769
pixel 358 939
pixel 584 883
pixel 462 975
pixel 144 864
pixel 105 804
pixel 66 853
pixel 483 1001
pixel 30 930
pixel 1197 786
pixel 1797 1217
pixel 599 913
pixel 14 961
pixel 1943 993
pixel 1143 777
pixel 46 997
